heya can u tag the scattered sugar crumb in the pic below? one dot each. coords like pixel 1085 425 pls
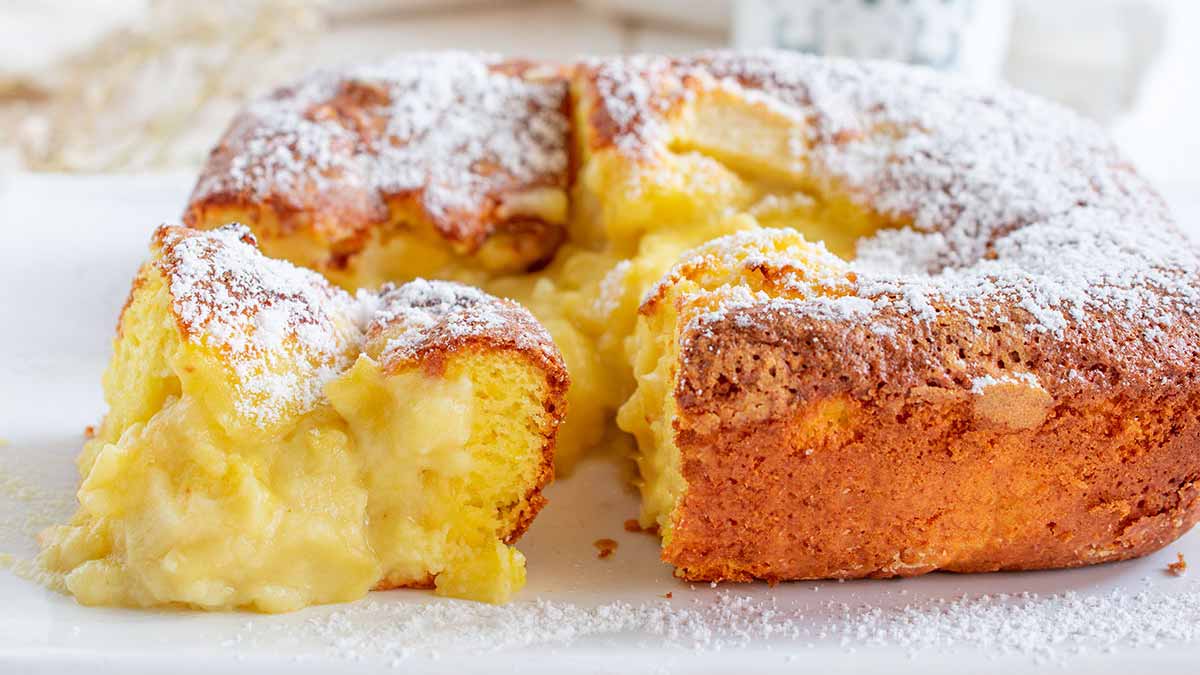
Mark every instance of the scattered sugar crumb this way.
pixel 27 507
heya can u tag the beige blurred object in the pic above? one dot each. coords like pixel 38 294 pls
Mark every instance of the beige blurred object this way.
pixel 154 91
pixel 355 9
pixel 711 16
pixel 1092 55
pixel 958 36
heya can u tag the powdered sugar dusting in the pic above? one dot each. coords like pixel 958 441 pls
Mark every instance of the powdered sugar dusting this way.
pixel 1000 204
pixel 422 314
pixel 982 383
pixel 455 129
pixel 284 331
pixel 799 267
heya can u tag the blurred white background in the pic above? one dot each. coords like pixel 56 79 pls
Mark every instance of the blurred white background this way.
pixel 148 85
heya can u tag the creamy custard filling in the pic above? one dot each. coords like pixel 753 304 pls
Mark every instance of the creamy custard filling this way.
pixel 446 461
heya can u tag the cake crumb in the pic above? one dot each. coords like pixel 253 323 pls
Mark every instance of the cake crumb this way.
pixel 1179 567
pixel 668 595
pixel 89 432
pixel 632 525
pixel 604 547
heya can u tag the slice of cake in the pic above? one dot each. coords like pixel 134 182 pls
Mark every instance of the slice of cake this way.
pixel 453 407
pixel 754 268
pixel 792 425
pixel 254 456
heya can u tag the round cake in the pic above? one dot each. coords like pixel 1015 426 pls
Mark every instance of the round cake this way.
pixel 861 319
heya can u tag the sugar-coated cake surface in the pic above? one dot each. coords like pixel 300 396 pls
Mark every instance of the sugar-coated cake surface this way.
pixel 250 426
pixel 987 361
pixel 1034 200
pixel 261 315
pixel 423 316
pixel 457 147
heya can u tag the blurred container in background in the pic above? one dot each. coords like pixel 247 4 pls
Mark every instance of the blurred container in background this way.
pixel 961 36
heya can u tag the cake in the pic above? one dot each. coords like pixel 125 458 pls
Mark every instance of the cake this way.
pixel 861 319
pixel 445 165
pixel 273 442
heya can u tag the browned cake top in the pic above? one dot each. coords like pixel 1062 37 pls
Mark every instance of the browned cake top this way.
pixel 422 321
pixel 1006 213
pixel 454 132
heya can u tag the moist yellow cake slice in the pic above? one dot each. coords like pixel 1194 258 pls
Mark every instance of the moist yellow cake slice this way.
pixel 453 406
pixel 222 475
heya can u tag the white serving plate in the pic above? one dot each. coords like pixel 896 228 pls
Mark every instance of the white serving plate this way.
pixel 68 249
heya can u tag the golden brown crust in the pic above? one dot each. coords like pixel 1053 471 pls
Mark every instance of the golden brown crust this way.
pixel 625 99
pixel 138 282
pixel 1007 379
pixel 424 321
pixel 856 455
pixel 445 140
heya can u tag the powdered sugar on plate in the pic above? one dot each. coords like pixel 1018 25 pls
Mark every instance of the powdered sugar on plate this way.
pixel 1040 628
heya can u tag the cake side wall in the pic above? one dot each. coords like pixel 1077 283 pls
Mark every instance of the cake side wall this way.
pixel 816 450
